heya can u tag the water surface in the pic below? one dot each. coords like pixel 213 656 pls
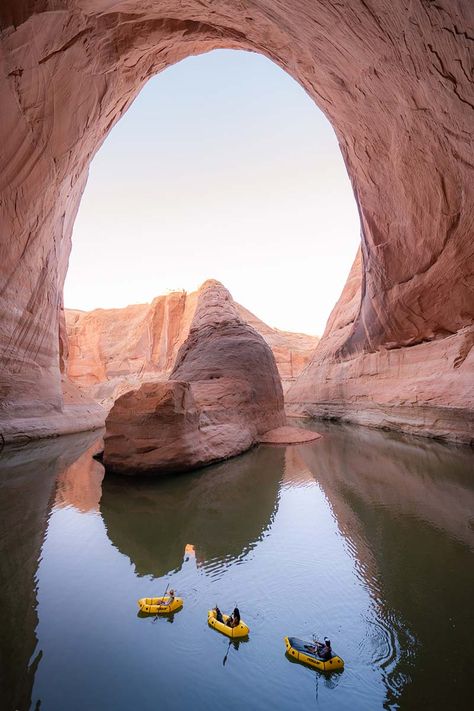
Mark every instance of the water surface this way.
pixel 365 536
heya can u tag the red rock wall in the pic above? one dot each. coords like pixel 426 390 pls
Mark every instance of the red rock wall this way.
pixel 112 349
pixel 108 344
pixel 223 393
pixel 425 389
pixel 395 80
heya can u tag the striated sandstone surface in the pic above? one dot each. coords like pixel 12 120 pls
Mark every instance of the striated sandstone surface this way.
pixel 224 392
pixel 111 351
pixel 292 351
pixel 425 389
pixel 74 411
pixel 395 80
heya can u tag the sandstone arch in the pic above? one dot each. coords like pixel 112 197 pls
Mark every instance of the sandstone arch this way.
pixel 395 80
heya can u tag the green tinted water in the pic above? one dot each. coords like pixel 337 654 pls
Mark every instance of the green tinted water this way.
pixel 364 536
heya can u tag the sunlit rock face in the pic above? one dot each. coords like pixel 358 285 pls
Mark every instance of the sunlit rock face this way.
pixel 111 351
pixel 425 389
pixel 224 391
pixel 393 78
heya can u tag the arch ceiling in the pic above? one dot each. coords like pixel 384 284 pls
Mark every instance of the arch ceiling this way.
pixel 394 78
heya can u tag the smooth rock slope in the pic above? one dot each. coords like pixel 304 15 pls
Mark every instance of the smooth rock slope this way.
pixel 223 393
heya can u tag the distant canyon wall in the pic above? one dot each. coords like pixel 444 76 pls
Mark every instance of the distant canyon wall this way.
pixel 110 351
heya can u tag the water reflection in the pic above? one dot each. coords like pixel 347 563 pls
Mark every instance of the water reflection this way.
pixel 217 514
pixel 27 484
pixel 405 507
pixel 391 538
pixel 425 480
pixel 80 484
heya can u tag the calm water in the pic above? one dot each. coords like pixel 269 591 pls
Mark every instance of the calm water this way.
pixel 364 536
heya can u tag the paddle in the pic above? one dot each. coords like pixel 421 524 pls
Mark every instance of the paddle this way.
pixel 156 616
pixel 226 654
pixel 228 648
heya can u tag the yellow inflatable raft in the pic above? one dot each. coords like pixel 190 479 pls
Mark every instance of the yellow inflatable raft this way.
pixel 160 605
pixel 302 652
pixel 235 632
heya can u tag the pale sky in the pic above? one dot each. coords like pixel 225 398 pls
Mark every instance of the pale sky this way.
pixel 222 168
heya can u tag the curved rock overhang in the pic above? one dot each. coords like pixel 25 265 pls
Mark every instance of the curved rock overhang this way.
pixel 394 79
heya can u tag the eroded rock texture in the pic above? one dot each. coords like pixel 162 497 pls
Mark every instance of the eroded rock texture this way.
pixel 425 389
pixel 394 78
pixel 224 391
pixel 111 351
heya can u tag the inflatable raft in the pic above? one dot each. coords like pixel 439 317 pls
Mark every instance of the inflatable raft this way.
pixel 160 605
pixel 235 632
pixel 303 652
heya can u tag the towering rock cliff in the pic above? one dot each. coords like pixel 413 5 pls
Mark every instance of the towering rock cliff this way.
pixel 112 350
pixel 224 391
pixel 395 80
pixel 426 388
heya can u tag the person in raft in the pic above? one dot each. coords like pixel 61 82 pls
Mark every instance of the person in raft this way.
pixel 234 619
pixel 323 649
pixel 171 596
pixel 219 617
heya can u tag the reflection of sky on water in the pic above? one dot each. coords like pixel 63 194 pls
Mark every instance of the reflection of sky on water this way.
pixel 362 536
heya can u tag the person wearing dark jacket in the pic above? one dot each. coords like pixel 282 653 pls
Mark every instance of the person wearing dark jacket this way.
pixel 234 619
pixel 324 650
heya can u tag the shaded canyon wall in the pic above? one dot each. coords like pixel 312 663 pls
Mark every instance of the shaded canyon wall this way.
pixel 426 388
pixel 394 79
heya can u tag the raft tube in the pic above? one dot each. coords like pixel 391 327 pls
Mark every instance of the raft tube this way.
pixel 300 651
pixel 234 632
pixel 160 605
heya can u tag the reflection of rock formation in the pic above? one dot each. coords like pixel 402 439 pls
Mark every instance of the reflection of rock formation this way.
pixel 113 350
pixel 430 482
pixel 80 484
pixel 406 511
pixel 27 477
pixel 223 393
pixel 222 510
pixel 296 470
